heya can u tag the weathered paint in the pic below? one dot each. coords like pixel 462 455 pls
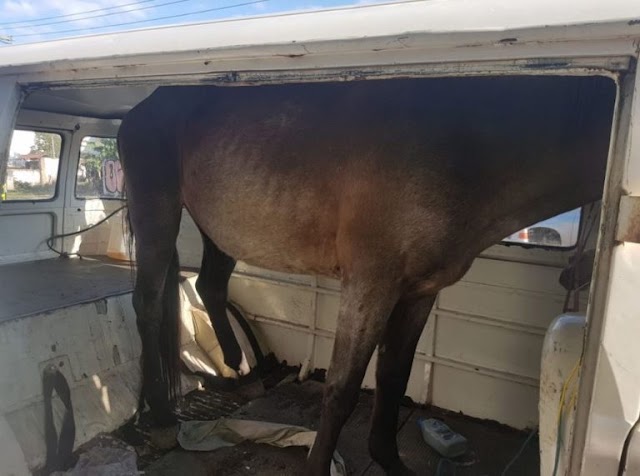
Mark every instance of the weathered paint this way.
pixel 609 395
pixel 397 26
pixel 10 97
pixel 563 346
pixel 629 220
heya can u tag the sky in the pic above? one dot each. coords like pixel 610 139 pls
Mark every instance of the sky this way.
pixel 21 142
pixel 29 21
pixel 32 21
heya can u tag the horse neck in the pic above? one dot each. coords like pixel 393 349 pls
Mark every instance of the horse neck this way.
pixel 534 191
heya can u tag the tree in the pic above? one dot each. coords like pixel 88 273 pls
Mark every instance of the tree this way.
pixel 95 151
pixel 47 143
pixel 103 148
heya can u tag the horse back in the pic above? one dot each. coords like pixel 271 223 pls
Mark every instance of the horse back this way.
pixel 321 177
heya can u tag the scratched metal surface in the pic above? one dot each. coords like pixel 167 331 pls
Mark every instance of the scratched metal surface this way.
pixel 42 286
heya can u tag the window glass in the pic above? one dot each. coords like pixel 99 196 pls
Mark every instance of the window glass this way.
pixel 560 231
pixel 99 172
pixel 33 166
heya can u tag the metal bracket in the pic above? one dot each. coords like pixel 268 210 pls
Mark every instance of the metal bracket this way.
pixel 629 220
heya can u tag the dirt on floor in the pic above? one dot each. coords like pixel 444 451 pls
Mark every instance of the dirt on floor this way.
pixel 491 446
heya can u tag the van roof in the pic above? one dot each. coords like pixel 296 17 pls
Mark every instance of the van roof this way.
pixel 446 23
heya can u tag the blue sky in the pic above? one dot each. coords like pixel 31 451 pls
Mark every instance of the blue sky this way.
pixel 28 21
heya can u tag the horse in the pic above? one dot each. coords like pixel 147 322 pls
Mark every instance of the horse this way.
pixel 393 186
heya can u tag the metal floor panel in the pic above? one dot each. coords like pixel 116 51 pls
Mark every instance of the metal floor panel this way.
pixel 43 286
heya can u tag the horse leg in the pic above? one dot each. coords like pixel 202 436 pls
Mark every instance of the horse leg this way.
pixel 212 286
pixel 151 166
pixel 364 309
pixel 395 356
pixel 156 300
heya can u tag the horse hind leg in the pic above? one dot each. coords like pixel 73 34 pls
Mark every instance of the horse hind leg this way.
pixel 155 210
pixel 395 356
pixel 156 300
pixel 364 309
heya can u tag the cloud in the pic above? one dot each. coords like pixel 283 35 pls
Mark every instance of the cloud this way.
pixel 373 2
pixel 15 8
pixel 71 13
pixel 262 6
pixel 21 142
pixel 127 10
pixel 37 20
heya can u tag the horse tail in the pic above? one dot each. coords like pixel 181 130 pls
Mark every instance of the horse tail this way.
pixel 170 329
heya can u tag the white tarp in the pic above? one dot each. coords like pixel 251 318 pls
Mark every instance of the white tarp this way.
pixel 211 435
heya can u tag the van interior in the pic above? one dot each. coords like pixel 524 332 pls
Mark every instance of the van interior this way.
pixel 66 302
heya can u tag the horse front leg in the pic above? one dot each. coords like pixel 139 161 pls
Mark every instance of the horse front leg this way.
pixel 364 309
pixel 212 286
pixel 395 357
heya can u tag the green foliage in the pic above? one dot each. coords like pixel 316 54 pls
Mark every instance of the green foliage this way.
pixel 96 150
pixel 47 143
pixel 102 148
pixel 28 191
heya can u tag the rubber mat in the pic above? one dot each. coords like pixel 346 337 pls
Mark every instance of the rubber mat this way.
pixel 197 405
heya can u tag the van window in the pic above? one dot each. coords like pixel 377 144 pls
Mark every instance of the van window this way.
pixel 99 172
pixel 33 166
pixel 560 231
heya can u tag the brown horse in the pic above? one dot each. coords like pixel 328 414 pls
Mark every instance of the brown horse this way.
pixel 393 186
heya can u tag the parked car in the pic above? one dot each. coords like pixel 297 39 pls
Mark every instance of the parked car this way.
pixel 561 231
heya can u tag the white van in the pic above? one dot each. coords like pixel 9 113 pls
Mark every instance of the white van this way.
pixel 498 346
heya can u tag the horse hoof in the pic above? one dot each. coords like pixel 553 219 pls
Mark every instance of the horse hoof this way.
pixel 164 438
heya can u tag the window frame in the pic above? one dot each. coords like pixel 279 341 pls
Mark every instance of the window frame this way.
pixel 63 140
pixel 77 167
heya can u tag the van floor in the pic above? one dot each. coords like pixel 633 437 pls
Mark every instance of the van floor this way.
pixel 36 287
pixel 491 446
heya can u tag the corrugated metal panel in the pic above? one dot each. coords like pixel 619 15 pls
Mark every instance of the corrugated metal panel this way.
pixel 494 347
pixel 485 397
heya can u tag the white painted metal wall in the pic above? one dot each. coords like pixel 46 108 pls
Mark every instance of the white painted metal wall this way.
pixel 24 226
pixel 95 346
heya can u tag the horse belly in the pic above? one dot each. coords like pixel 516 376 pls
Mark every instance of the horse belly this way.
pixel 288 228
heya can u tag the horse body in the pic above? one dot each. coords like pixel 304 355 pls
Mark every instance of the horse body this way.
pixel 392 186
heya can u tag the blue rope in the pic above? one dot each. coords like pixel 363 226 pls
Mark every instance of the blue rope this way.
pixel 517 455
pixel 558 447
